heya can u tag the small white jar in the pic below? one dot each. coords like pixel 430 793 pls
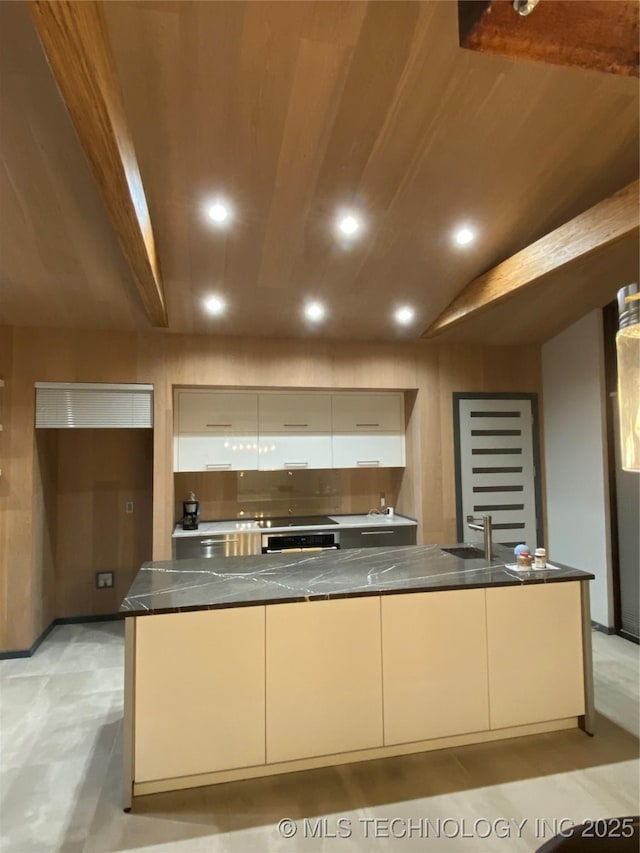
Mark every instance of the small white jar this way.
pixel 540 559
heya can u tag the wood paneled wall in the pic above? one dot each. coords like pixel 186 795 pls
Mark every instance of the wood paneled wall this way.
pixel 431 371
pixel 98 472
pixel 44 529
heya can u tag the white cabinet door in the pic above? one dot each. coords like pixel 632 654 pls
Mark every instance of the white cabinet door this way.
pixel 434 670
pixel 324 678
pixel 216 413
pixel 355 412
pixel 199 692
pixel 294 413
pixel 368 451
pixel 535 653
pixel 294 452
pixel 216 453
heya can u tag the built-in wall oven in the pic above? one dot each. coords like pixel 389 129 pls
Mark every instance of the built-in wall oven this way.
pixel 279 543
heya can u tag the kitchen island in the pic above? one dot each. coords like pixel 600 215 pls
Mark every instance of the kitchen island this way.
pixel 252 666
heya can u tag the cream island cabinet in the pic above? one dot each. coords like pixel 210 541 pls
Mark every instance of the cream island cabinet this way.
pixel 271 430
pixel 252 666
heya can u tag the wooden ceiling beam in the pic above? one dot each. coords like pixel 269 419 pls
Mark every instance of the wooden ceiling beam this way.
pixel 597 230
pixel 76 43
pixel 594 34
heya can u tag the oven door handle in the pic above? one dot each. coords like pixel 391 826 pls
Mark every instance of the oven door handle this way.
pixel 299 550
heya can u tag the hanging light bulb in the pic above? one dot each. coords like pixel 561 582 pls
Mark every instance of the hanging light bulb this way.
pixel 525 7
pixel 628 351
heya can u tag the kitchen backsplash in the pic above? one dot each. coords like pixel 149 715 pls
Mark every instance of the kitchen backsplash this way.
pixel 238 494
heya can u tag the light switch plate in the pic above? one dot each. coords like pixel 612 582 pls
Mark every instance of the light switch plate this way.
pixel 104 580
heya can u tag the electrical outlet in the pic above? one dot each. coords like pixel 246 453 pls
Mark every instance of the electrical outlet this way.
pixel 383 500
pixel 128 506
pixel 104 580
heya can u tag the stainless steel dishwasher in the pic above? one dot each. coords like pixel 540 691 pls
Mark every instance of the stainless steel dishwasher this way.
pixel 238 544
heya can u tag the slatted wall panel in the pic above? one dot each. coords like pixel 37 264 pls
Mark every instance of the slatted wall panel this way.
pixel 497 475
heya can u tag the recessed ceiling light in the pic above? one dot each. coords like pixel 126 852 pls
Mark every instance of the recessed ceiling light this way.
pixel 349 224
pixel 463 236
pixel 219 212
pixel 405 315
pixel 215 305
pixel 314 311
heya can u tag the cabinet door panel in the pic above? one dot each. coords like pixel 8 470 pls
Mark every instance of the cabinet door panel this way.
pixel 324 678
pixel 216 453
pixel 216 413
pixel 535 653
pixel 434 655
pixel 199 692
pixel 291 452
pixel 368 451
pixel 377 537
pixel 295 413
pixel 361 413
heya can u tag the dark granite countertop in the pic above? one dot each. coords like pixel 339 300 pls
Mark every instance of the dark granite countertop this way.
pixel 171 586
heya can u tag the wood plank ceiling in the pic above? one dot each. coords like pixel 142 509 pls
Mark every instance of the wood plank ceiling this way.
pixel 60 263
pixel 294 111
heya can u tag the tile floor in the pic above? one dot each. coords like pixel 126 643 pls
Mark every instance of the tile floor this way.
pixel 60 755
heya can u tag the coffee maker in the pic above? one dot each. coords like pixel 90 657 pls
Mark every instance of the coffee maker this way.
pixel 190 513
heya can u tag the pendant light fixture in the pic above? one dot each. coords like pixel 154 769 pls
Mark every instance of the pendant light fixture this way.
pixel 628 352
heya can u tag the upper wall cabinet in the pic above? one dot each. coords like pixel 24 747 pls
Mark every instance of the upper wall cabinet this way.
pixel 357 412
pixel 272 430
pixel 368 430
pixel 294 430
pixel 216 431
pixel 216 413
pixel 294 413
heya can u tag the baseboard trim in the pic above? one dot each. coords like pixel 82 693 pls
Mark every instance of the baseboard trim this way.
pixel 631 637
pixel 179 783
pixel 27 653
pixel 76 620
pixel 13 654
pixel 603 629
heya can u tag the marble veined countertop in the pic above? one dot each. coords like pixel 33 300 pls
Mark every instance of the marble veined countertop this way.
pixel 170 586
pixel 250 525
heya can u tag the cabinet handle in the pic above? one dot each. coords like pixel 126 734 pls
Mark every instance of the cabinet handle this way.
pixel 219 425
pixel 218 466
pixel 373 462
pixel 296 464
pixel 367 425
pixel 295 425
pixel 206 543
pixel 376 532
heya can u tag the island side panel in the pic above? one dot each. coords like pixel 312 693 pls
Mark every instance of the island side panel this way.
pixel 129 709
pixel 535 652
pixel 324 678
pixel 199 698
pixel 587 722
pixel 434 653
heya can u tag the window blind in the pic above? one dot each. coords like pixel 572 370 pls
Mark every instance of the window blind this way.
pixel 89 406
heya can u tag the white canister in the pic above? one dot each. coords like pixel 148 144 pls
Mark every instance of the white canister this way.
pixel 540 559
pixel 390 511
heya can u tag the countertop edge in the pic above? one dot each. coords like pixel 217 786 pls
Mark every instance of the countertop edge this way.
pixel 229 525
pixel 330 596
pixel 340 595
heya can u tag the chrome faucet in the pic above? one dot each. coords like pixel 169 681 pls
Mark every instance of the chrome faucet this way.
pixel 485 525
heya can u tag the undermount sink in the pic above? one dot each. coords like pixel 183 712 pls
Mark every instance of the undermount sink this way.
pixel 465 552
